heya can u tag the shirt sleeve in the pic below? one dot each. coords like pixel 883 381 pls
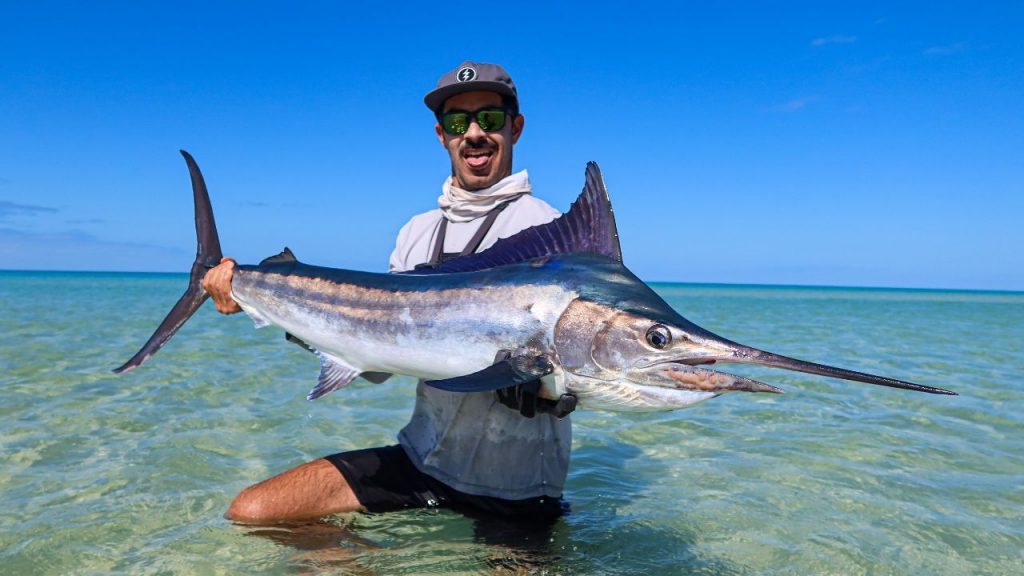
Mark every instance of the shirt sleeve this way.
pixel 544 213
pixel 397 262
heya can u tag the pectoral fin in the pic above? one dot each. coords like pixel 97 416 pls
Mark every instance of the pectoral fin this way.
pixel 510 371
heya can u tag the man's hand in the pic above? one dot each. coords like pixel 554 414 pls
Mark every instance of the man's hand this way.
pixel 217 283
pixel 523 398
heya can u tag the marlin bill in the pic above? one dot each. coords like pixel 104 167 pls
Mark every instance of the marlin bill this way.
pixel 553 302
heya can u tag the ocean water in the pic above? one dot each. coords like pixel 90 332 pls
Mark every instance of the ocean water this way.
pixel 132 474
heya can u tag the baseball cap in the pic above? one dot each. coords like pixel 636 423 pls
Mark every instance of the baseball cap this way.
pixel 470 76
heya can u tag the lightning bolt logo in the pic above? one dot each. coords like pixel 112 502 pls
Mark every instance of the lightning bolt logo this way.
pixel 466 74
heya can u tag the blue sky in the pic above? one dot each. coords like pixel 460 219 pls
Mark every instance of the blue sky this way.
pixel 863 144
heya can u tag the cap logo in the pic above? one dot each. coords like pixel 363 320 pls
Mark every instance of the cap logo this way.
pixel 465 74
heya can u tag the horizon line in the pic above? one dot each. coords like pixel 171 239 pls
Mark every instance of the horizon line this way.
pixel 691 283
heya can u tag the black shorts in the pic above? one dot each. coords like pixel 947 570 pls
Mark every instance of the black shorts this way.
pixel 385 480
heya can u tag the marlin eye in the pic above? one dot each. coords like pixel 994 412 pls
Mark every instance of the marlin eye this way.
pixel 659 337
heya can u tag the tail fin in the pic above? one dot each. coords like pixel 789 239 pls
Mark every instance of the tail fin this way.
pixel 208 255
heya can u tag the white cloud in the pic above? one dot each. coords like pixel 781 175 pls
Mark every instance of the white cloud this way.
pixel 9 209
pixel 956 48
pixel 838 39
pixel 796 104
pixel 79 221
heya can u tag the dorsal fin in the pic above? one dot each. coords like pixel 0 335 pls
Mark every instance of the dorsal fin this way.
pixel 588 226
pixel 280 258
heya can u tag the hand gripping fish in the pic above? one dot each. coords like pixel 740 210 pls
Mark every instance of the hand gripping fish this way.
pixel 554 302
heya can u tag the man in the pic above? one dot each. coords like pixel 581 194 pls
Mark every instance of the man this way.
pixel 504 453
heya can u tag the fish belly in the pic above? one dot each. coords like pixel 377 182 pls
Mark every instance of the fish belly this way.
pixel 427 334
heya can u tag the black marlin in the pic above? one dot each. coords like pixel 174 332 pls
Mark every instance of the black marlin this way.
pixel 553 302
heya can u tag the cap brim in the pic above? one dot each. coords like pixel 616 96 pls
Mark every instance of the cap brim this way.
pixel 435 100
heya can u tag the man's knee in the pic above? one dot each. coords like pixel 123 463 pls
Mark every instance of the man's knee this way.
pixel 311 490
pixel 249 506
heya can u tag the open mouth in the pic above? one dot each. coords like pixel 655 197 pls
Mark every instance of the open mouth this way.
pixel 478 159
pixel 679 361
pixel 684 376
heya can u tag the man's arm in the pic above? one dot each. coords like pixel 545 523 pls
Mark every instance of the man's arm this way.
pixel 217 284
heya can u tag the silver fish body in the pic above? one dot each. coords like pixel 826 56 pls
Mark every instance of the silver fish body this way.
pixel 553 303
pixel 431 327
pixel 448 325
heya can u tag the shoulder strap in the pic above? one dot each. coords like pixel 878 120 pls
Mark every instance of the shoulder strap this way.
pixel 484 228
pixel 437 255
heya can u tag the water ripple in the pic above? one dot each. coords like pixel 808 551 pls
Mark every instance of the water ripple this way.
pixel 108 474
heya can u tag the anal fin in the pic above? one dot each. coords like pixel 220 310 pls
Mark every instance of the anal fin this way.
pixel 334 373
pixel 332 366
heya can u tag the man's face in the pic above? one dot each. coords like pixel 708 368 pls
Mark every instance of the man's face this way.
pixel 479 159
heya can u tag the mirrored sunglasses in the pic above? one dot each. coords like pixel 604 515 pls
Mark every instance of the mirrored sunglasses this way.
pixel 456 122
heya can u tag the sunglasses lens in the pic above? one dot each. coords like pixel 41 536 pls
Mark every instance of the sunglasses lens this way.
pixel 455 123
pixel 490 120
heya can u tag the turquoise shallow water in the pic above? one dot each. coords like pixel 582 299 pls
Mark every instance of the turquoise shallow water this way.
pixel 106 474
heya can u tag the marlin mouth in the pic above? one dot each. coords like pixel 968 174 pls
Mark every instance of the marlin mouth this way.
pixel 683 374
pixel 681 362
pixel 693 378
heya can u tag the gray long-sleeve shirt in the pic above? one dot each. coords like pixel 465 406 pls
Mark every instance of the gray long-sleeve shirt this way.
pixel 469 441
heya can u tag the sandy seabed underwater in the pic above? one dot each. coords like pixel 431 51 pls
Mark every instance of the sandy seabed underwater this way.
pixel 132 474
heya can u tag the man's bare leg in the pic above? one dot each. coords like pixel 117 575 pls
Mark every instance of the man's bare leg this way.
pixel 311 490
